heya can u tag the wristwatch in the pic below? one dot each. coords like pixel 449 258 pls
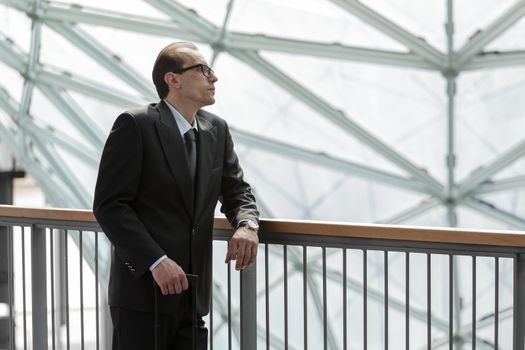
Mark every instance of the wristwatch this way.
pixel 252 225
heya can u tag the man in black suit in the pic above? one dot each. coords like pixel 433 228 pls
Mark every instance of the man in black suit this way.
pixel 162 171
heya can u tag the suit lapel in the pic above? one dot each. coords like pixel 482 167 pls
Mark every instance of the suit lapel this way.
pixel 206 151
pixel 175 152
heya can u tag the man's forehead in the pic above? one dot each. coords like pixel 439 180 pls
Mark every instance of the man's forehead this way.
pixel 192 56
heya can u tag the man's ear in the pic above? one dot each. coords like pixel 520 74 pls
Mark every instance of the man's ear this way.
pixel 172 80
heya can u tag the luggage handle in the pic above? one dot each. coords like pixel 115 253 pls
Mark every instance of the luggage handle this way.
pixel 193 283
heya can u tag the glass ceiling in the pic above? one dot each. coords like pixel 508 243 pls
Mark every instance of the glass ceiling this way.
pixel 330 101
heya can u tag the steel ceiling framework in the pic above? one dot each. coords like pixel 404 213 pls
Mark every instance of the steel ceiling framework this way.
pixel 38 145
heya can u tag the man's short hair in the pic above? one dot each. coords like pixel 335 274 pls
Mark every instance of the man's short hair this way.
pixel 170 59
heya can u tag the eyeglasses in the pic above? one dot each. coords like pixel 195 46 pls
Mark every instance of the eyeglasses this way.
pixel 206 71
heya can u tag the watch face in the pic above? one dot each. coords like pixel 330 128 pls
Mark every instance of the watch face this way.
pixel 252 225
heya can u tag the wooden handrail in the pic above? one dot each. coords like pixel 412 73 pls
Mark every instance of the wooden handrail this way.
pixel 319 228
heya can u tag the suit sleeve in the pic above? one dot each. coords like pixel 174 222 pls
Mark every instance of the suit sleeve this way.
pixel 116 189
pixel 238 202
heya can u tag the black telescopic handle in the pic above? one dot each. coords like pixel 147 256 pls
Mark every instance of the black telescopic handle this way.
pixel 193 281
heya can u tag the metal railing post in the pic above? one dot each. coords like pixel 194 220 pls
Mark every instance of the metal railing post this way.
pixel 39 287
pixel 249 308
pixel 519 302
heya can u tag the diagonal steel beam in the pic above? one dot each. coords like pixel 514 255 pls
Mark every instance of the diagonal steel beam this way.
pixel 72 111
pixel 512 183
pixel 59 166
pixel 322 159
pixel 22 5
pixel 188 19
pixel 50 135
pixel 484 173
pixel 65 80
pixel 8 105
pixel 417 45
pixel 496 59
pixel 35 127
pixel 483 37
pixel 72 13
pixel 413 211
pixel 241 41
pixel 491 210
pixel 101 54
pixel 11 54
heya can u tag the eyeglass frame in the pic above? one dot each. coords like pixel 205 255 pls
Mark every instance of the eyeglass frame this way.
pixel 201 66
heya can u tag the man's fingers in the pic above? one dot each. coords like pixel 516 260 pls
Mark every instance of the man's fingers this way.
pixel 171 289
pixel 254 255
pixel 238 263
pixel 232 251
pixel 247 256
pixel 164 290
pixel 178 287
pixel 184 281
pixel 241 253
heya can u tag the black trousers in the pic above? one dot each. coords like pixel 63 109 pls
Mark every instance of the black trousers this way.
pixel 135 330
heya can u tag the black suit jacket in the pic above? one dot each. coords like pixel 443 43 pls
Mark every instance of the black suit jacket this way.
pixel 145 204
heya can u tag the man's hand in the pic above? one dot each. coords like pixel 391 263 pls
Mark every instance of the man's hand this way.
pixel 243 248
pixel 170 277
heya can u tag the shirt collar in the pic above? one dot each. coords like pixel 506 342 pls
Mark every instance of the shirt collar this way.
pixel 182 123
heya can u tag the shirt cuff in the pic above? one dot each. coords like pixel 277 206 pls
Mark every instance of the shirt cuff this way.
pixel 159 260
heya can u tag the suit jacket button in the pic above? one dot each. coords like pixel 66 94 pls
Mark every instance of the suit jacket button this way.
pixel 132 270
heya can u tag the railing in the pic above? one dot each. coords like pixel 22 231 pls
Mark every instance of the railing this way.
pixel 315 286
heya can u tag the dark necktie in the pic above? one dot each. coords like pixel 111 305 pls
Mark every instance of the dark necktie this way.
pixel 191 151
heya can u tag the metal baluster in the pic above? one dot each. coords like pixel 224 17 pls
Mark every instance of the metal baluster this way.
pixel 39 287
pixel 81 258
pixel 325 313
pixel 66 277
pixel 365 308
pixel 386 297
pixel 496 303
pixel 345 326
pixel 229 307
pixel 474 303
pixel 305 297
pixel 285 265
pixel 450 302
pixel 11 288
pixel 407 300
pixel 97 332
pixel 267 295
pixel 519 302
pixel 429 301
pixel 52 271
pixel 24 285
pixel 248 295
